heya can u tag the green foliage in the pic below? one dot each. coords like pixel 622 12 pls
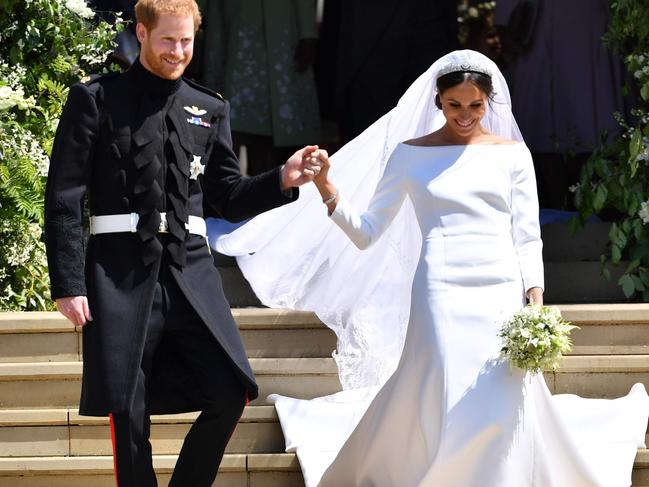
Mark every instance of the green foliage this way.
pixel 615 180
pixel 45 46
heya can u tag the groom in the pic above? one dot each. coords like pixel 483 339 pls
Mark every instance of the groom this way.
pixel 153 153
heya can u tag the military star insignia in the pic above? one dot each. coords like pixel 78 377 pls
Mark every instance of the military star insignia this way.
pixel 196 168
pixel 194 110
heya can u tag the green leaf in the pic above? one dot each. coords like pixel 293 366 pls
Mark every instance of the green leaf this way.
pixel 574 224
pixel 626 226
pixel 616 254
pixel 644 276
pixel 606 273
pixel 637 283
pixel 632 266
pixel 628 286
pixel 644 92
pixel 600 197
pixel 635 145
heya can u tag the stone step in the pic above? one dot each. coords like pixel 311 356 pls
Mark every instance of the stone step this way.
pixel 268 333
pixel 57 384
pixel 599 376
pixel 62 432
pixel 237 470
pixel 48 337
pixel 609 329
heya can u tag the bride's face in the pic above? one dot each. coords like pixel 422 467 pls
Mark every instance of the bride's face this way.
pixel 464 105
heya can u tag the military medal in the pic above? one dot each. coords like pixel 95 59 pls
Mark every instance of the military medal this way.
pixel 196 168
pixel 196 119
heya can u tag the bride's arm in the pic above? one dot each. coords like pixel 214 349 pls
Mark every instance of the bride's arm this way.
pixel 363 230
pixel 525 227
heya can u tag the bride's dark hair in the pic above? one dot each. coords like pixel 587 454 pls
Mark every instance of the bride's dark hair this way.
pixel 482 81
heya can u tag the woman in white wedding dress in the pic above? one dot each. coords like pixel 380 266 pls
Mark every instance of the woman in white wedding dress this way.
pixel 458 192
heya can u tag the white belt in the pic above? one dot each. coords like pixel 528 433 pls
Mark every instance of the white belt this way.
pixel 128 223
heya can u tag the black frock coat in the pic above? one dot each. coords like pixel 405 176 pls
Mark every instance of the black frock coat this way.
pixel 131 143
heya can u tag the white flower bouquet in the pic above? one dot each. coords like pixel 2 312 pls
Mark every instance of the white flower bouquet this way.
pixel 535 338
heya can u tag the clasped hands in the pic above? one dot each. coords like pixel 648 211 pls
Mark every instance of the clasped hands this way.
pixel 304 166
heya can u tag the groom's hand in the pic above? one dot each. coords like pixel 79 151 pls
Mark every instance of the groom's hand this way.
pixel 301 167
pixel 75 309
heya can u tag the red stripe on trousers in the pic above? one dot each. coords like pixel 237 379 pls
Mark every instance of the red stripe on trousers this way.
pixel 237 423
pixel 112 437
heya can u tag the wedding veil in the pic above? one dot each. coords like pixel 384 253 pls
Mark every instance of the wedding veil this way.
pixel 295 257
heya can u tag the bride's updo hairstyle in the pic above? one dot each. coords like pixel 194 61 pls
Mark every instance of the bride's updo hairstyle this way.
pixel 449 80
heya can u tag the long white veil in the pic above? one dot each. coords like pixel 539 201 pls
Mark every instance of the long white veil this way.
pixel 295 257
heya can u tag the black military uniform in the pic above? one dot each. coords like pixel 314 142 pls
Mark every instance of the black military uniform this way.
pixel 163 339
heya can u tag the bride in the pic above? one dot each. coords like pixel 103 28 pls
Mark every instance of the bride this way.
pixel 450 221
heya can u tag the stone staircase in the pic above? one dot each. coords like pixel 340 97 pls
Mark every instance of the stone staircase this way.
pixel 45 443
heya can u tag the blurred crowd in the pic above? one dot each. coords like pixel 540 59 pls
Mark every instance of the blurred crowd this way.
pixel 302 71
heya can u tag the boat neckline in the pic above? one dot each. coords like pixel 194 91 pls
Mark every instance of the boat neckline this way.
pixel 464 145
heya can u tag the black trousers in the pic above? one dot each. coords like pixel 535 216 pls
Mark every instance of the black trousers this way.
pixel 224 393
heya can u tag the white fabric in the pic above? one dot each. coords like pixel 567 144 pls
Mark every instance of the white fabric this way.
pixel 452 414
pixel 455 241
pixel 295 258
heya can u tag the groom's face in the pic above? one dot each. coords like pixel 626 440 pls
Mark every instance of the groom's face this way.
pixel 464 105
pixel 167 48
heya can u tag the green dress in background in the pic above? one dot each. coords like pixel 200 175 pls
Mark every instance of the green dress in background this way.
pixel 249 56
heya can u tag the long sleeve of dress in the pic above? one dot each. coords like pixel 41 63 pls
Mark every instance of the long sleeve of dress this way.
pixel 366 229
pixel 525 223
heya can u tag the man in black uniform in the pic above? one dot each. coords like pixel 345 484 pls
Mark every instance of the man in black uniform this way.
pixel 153 153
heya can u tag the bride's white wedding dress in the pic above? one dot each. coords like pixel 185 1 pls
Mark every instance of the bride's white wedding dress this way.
pixel 451 414
pixel 465 225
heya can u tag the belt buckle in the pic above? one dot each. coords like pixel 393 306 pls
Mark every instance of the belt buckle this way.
pixel 164 225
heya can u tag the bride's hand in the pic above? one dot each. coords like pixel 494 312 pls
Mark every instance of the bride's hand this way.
pixel 535 295
pixel 321 157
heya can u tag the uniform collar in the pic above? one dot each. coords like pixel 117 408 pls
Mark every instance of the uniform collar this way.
pixel 153 83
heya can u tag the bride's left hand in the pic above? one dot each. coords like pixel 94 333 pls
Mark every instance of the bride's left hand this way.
pixel 535 296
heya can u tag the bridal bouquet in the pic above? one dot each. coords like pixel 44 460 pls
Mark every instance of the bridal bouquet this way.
pixel 535 338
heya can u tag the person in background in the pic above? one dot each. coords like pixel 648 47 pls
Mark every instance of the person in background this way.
pixel 380 47
pixel 260 54
pixel 577 84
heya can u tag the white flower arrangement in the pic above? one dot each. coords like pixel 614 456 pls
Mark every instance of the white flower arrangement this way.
pixel 10 97
pixel 536 338
pixel 643 213
pixel 80 8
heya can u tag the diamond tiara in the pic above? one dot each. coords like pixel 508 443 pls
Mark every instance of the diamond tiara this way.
pixel 464 67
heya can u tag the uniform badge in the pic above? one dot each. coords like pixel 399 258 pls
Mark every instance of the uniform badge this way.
pixel 194 110
pixel 198 121
pixel 196 168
